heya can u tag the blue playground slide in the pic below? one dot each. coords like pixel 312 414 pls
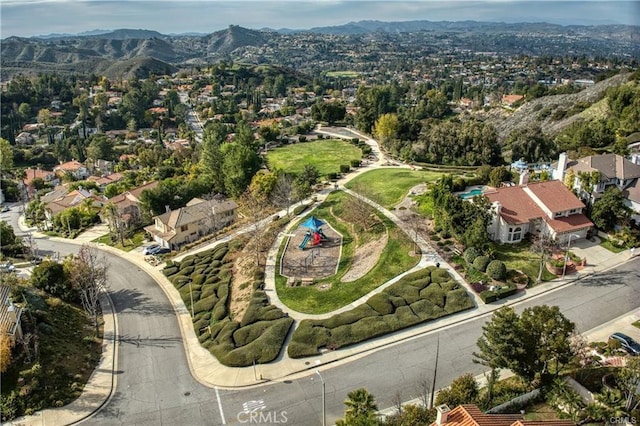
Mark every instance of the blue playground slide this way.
pixel 304 242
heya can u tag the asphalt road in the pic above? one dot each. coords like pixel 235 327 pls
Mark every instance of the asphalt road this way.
pixel 154 385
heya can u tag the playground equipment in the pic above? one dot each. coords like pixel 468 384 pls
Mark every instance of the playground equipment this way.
pixel 317 236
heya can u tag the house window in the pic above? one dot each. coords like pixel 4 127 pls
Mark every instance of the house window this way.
pixel 515 234
pixel 184 228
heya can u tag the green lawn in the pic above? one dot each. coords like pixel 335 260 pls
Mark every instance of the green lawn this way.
pixel 326 155
pixel 129 243
pixel 394 260
pixel 518 256
pixel 389 186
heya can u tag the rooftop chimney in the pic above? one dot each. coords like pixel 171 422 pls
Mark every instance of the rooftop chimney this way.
pixel 442 414
pixel 524 178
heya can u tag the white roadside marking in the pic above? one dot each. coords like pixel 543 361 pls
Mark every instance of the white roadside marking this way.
pixel 220 407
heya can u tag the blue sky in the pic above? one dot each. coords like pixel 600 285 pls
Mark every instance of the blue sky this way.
pixel 37 17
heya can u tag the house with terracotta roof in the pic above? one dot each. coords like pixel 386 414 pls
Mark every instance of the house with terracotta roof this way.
pixel 509 100
pixel 471 415
pixel 105 180
pixel 615 170
pixel 76 168
pixel 128 205
pixel 30 175
pixel 192 222
pixel 546 208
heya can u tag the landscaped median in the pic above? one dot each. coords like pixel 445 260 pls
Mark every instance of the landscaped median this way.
pixel 422 296
pixel 203 281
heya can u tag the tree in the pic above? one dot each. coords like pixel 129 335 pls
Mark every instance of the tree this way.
pixel 51 277
pixel 88 275
pixel 115 222
pixel 610 210
pixel 6 156
pixel 283 193
pixel 542 244
pixel 628 381
pixel 240 163
pixel 386 128
pixel 463 390
pixel 253 208
pixel 531 145
pixel 6 349
pixel 499 175
pixel 527 345
pixel 361 408
pixel 100 148
pixel 10 244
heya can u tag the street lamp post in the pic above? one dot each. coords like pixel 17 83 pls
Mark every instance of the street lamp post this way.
pixel 324 415
pixel 566 255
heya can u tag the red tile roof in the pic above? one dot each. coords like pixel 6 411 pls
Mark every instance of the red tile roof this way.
pixel 470 415
pixel 517 205
pixel 571 223
pixel 555 196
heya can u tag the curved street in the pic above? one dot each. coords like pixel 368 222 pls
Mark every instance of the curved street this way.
pixel 155 385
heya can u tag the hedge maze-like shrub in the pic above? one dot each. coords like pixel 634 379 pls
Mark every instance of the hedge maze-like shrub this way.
pixel 418 297
pixel 205 278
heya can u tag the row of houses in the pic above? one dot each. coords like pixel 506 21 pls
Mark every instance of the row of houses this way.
pixel 551 208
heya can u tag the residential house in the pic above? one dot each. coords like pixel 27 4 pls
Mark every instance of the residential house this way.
pixel 103 181
pixel 547 208
pixel 32 174
pixel 190 223
pixel 10 315
pixel 615 170
pixel 72 199
pixel 76 168
pixel 25 138
pixel 471 415
pixel 129 206
pixel 509 100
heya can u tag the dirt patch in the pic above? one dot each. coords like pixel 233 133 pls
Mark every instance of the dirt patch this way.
pixel 241 285
pixel 365 258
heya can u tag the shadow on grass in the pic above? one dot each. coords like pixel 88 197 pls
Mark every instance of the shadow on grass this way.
pixel 129 301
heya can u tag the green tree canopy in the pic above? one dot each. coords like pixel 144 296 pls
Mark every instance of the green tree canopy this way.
pixel 610 210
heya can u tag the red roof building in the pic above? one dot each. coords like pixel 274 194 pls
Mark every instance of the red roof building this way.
pixel 470 415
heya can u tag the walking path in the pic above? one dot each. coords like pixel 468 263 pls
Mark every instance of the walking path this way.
pixel 208 371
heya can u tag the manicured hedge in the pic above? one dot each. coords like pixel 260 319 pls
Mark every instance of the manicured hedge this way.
pixel 418 297
pixel 489 296
pixel 206 277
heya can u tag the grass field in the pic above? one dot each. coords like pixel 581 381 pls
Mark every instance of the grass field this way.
pixel 326 155
pixel 129 243
pixel 518 256
pixel 389 186
pixel 342 74
pixel 394 260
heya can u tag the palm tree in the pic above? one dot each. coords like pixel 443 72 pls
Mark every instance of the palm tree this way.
pixel 361 408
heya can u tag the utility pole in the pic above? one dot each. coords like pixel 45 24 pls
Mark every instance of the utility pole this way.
pixel 324 413
pixel 435 372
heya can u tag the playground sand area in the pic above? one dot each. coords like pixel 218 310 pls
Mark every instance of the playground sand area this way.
pixel 313 261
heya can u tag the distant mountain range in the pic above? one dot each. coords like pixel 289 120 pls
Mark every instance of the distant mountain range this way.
pixel 62 51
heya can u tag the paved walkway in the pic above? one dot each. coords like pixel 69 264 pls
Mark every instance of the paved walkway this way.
pixel 208 371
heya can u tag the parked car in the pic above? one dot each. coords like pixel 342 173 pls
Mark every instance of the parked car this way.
pixel 8 267
pixel 161 250
pixel 150 249
pixel 630 345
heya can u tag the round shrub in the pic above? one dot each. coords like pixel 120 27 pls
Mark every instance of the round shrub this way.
pixel 481 262
pixel 470 254
pixel 344 168
pixel 497 270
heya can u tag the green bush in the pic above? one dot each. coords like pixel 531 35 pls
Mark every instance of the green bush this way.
pixel 219 311
pixel 489 296
pixel 349 317
pixel 299 209
pixel 247 334
pixel 481 262
pixel 497 270
pixel 355 163
pixel 198 279
pixel 407 292
pixel 300 350
pixel 435 294
pixel 332 176
pixel 470 255
pixel 440 276
pixel 208 290
pixel 344 168
pixel 205 304
pixel 171 270
pixel 427 310
pixel 397 301
pixel 262 350
pixel 449 285
pixel 457 300
pixel 419 275
pixel 406 316
pixel 381 303
pixel 187 270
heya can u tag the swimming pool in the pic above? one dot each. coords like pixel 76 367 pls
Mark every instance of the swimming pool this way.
pixel 472 193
